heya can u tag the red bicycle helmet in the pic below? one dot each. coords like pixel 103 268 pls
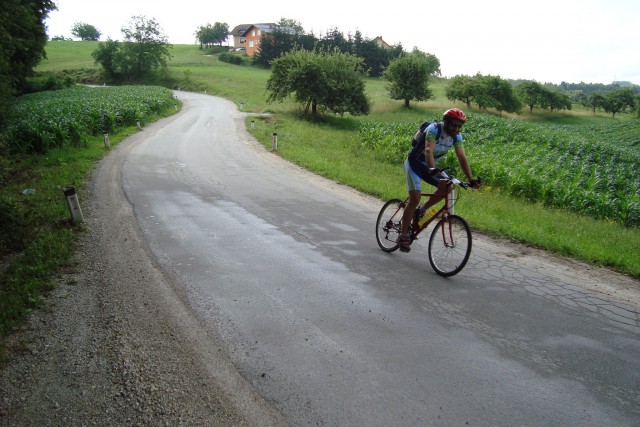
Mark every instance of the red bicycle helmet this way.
pixel 454 113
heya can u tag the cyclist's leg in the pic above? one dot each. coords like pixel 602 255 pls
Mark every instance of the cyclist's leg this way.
pixel 414 187
pixel 443 187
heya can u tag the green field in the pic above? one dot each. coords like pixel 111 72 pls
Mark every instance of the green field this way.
pixel 575 166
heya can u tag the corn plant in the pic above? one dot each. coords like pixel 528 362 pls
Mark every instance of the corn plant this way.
pixel 56 119
pixel 589 169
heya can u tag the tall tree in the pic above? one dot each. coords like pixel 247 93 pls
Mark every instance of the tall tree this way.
pixel 145 49
pixel 555 100
pixel 619 101
pixel 22 39
pixel 501 94
pixel 376 58
pixel 408 77
pixel 319 80
pixel 107 55
pixel 596 100
pixel 333 39
pixel 531 93
pixel 203 35
pixel 461 88
pixel 85 31
pixel 291 26
pixel 211 34
pixel 220 32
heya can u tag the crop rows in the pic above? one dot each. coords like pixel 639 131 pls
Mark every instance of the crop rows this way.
pixel 588 169
pixel 47 120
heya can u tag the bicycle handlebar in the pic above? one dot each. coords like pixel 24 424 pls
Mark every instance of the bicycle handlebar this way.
pixel 454 180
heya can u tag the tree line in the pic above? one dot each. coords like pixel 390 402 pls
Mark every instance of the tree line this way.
pixel 289 34
pixel 409 75
pixel 503 95
pixel 294 57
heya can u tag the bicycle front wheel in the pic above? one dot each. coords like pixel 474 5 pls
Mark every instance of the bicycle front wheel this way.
pixel 450 246
pixel 389 225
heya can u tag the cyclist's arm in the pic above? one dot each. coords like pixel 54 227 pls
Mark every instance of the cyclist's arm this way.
pixel 429 148
pixel 464 163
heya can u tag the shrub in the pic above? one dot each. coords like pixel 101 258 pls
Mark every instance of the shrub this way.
pixel 230 58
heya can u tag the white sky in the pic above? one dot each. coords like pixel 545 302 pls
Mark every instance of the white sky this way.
pixel 591 41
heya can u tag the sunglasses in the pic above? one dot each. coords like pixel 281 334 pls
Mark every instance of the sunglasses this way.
pixel 455 125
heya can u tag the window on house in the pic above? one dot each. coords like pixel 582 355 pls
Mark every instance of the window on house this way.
pixel 243 39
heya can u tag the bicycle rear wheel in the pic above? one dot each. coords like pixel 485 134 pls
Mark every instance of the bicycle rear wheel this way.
pixel 450 245
pixel 389 225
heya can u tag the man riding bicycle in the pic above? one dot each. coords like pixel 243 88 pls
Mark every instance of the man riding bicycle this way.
pixel 421 164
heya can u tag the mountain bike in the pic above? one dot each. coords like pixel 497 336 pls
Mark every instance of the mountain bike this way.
pixel 450 242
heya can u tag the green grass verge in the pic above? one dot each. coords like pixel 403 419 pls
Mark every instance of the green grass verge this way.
pixel 44 237
pixel 328 148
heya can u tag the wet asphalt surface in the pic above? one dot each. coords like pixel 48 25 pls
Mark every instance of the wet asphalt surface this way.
pixel 286 271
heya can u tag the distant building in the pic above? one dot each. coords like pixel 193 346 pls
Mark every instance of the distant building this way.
pixel 248 36
pixel 238 33
pixel 381 43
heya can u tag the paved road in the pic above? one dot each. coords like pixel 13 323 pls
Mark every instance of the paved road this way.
pixel 285 269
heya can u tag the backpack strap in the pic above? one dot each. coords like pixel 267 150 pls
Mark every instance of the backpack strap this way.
pixel 438 126
pixel 416 155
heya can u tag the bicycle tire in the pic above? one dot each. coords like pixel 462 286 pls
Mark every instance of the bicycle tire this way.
pixel 448 259
pixel 388 225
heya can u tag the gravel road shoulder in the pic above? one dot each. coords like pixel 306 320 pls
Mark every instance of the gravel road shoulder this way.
pixel 114 345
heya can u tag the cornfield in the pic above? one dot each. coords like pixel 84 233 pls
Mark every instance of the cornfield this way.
pixel 588 169
pixel 47 120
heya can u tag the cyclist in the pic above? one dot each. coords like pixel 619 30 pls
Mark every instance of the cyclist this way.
pixel 421 163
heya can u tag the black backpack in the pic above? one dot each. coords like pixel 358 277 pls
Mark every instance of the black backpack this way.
pixel 416 155
pixel 420 135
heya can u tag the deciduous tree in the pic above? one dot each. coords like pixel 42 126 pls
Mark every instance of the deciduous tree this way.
pixel 501 91
pixel 530 93
pixel 212 34
pixel 319 80
pixel 408 76
pixel 85 31
pixel 619 101
pixel 462 88
pixel 145 49
pixel 106 54
pixel 596 100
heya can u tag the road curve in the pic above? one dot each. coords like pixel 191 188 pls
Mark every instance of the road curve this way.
pixel 283 268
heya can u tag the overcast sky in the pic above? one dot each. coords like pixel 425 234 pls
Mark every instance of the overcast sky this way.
pixel 591 41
